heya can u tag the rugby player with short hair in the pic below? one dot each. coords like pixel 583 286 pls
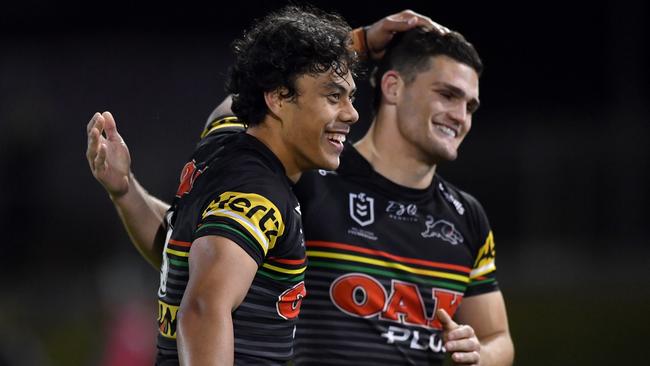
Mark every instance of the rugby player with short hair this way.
pixel 406 249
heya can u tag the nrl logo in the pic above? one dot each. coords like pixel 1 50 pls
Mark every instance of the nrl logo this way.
pixel 442 229
pixel 362 208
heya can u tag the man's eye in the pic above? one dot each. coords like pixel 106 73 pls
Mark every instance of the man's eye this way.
pixel 446 95
pixel 352 98
pixel 334 97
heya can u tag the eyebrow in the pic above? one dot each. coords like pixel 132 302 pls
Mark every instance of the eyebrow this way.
pixel 473 103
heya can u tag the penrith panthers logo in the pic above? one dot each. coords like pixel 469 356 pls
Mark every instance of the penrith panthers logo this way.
pixel 442 229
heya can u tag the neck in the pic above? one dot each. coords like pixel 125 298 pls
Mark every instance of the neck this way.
pixel 392 156
pixel 270 137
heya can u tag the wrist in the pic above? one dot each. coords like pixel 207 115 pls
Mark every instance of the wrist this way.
pixel 120 195
pixel 360 42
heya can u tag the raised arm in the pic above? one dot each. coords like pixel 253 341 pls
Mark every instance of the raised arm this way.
pixel 371 41
pixel 110 163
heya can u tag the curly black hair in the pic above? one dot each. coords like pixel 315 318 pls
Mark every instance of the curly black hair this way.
pixel 410 53
pixel 279 48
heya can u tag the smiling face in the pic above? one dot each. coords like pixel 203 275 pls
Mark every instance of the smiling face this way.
pixel 316 123
pixel 434 111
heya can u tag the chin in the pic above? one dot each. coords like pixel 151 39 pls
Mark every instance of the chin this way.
pixel 330 163
pixel 450 157
pixel 443 156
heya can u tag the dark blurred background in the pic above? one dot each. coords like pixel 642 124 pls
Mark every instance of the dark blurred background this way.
pixel 558 156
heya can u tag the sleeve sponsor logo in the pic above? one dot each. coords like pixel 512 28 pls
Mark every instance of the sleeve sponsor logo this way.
pixel 255 213
pixel 485 260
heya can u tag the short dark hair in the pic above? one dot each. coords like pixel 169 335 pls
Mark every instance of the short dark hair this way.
pixel 410 53
pixel 279 48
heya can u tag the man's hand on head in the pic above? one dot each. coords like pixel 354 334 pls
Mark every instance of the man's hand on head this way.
pixel 380 33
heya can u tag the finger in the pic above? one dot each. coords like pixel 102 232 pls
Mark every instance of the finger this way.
pixel 447 323
pixel 418 19
pixel 461 332
pixel 463 345
pixel 110 127
pixel 441 29
pixel 403 22
pixel 93 144
pixel 100 159
pixel 92 121
pixel 425 22
pixel 399 23
pixel 466 358
pixel 98 127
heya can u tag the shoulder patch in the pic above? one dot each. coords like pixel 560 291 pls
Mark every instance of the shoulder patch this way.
pixel 485 260
pixel 255 213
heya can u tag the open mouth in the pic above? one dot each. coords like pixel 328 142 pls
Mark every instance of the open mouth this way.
pixel 446 130
pixel 335 138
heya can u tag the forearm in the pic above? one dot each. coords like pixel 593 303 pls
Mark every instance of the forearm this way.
pixel 142 216
pixel 205 336
pixel 497 350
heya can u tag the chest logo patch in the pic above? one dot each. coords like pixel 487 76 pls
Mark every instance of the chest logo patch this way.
pixel 362 208
pixel 442 229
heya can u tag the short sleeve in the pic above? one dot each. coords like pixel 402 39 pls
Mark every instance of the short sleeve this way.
pixel 483 274
pixel 249 215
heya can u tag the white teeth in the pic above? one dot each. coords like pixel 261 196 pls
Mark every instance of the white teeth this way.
pixel 340 138
pixel 446 130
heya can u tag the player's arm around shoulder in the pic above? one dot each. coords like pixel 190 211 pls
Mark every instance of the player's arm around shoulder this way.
pixel 486 314
pixel 220 275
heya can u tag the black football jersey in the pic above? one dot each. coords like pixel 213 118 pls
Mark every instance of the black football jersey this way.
pixel 233 186
pixel 382 259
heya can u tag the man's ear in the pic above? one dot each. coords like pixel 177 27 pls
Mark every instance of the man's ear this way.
pixel 275 101
pixel 391 86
